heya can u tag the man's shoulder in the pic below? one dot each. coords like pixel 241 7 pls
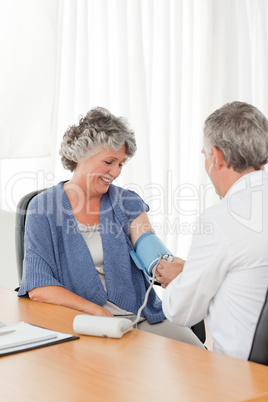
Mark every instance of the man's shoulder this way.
pixel 215 211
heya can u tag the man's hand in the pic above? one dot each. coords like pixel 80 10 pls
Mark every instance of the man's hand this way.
pixel 167 271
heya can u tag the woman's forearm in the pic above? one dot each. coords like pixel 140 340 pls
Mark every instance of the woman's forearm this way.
pixel 66 298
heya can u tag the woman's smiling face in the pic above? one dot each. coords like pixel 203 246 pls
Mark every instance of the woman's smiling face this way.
pixel 101 169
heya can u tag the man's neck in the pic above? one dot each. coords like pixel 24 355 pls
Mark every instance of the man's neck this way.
pixel 229 177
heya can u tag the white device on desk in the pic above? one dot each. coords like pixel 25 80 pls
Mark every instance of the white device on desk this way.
pixel 110 327
pixel 147 254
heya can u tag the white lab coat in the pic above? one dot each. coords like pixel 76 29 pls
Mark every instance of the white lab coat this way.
pixel 226 274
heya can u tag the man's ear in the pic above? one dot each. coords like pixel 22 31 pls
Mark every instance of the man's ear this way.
pixel 218 157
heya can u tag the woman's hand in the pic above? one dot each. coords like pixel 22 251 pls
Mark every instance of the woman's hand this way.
pixel 101 311
pixel 167 271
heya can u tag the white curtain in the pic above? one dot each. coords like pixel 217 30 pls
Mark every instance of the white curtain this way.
pixel 164 64
pixel 28 43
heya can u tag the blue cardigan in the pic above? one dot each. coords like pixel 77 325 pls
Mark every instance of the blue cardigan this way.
pixel 57 255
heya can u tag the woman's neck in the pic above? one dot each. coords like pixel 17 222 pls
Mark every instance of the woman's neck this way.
pixel 85 206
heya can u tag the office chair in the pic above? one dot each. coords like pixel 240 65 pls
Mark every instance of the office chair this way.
pixel 20 229
pixel 259 348
pixel 21 212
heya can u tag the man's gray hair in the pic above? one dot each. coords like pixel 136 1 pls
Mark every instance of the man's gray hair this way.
pixel 98 129
pixel 240 131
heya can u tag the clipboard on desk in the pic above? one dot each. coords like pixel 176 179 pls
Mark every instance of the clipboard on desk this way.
pixel 22 337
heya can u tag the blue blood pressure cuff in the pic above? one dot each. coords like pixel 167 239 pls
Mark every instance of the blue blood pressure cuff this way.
pixel 146 252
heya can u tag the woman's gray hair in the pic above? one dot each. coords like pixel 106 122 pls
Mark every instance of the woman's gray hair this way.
pixel 240 131
pixel 98 129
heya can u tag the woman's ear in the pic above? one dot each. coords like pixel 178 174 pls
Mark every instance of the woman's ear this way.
pixel 218 157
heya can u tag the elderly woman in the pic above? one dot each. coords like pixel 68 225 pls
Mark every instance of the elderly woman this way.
pixel 79 233
pixel 226 274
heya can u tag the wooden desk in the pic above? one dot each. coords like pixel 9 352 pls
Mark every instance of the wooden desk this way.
pixel 138 367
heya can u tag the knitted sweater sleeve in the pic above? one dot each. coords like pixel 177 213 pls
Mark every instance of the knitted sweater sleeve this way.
pixel 39 265
pixel 127 206
pixel 132 205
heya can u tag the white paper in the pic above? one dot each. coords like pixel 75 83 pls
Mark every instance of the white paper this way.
pixel 26 336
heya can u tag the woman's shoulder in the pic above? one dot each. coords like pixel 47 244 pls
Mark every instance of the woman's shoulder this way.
pixel 128 201
pixel 123 194
pixel 44 200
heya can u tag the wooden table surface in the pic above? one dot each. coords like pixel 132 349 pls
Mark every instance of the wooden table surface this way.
pixel 138 367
